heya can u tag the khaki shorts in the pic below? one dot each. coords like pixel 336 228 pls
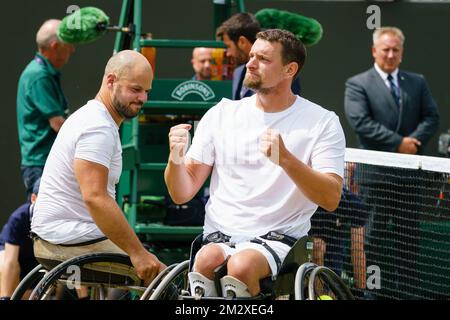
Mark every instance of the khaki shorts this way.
pixel 50 255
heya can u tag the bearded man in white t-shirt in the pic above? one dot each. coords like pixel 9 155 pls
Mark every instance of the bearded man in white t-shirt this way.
pixel 77 212
pixel 273 159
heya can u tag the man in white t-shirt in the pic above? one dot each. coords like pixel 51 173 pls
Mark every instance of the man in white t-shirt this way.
pixel 76 212
pixel 273 159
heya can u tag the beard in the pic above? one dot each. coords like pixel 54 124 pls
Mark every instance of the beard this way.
pixel 255 84
pixel 205 74
pixel 124 109
pixel 252 82
pixel 241 57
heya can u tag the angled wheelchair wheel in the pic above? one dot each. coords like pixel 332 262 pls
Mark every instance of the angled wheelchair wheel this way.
pixel 29 282
pixel 324 284
pixel 173 283
pixel 148 292
pixel 97 276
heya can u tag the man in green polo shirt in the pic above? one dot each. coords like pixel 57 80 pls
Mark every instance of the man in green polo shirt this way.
pixel 41 104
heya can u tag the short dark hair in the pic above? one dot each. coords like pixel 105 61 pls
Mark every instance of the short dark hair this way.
pixel 240 24
pixel 292 50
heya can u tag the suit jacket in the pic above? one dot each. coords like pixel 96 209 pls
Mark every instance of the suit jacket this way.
pixel 377 120
pixel 240 91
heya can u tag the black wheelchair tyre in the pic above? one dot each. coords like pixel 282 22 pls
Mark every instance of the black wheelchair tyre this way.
pixel 330 279
pixel 28 282
pixel 105 270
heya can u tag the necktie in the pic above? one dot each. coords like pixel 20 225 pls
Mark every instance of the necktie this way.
pixel 394 90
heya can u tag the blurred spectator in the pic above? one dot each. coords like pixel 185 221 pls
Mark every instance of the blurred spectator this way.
pixel 331 229
pixel 16 247
pixel 201 63
pixel 41 104
pixel 390 109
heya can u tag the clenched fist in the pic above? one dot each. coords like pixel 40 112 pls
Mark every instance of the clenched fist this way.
pixel 178 142
pixel 272 145
pixel 147 266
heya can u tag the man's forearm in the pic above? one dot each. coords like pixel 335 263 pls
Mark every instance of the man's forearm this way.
pixel 320 188
pixel 9 278
pixel 179 182
pixel 111 221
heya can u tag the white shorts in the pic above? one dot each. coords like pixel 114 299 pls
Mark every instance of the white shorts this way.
pixel 280 249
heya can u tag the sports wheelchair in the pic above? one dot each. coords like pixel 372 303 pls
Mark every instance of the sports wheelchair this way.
pixel 297 279
pixel 95 273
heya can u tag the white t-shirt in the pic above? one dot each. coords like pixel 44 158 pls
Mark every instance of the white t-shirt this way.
pixel 60 215
pixel 249 194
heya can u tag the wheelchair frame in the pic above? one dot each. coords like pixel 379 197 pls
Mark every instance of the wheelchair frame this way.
pixel 98 271
pixel 297 279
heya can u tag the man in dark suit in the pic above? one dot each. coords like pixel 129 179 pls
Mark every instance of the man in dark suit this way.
pixel 390 109
pixel 239 33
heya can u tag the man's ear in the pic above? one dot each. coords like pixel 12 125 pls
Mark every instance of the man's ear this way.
pixel 110 79
pixel 244 44
pixel 373 51
pixel 54 45
pixel 291 69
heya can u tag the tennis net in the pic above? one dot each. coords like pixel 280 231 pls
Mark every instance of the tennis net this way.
pixel 390 236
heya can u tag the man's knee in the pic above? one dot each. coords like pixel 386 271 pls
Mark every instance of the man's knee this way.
pixel 208 258
pixel 240 268
pixel 245 270
pixel 248 266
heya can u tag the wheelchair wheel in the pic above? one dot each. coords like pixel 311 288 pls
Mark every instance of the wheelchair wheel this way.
pixel 156 282
pixel 172 284
pixel 324 284
pixel 301 280
pixel 96 276
pixel 28 282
